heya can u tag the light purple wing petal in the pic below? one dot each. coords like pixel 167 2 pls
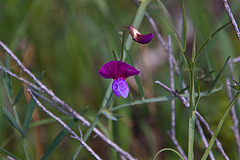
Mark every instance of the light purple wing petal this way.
pixel 120 88
pixel 126 70
pixel 143 39
pixel 109 70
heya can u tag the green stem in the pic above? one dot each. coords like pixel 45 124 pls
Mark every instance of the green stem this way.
pixel 25 149
pixel 192 111
pixel 123 44
pixel 205 155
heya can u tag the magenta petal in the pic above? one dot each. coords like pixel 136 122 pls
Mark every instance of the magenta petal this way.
pixel 117 69
pixel 143 39
pixel 120 88
pixel 126 70
pixel 109 70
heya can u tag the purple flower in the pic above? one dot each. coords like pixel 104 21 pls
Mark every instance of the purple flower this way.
pixel 119 71
pixel 136 35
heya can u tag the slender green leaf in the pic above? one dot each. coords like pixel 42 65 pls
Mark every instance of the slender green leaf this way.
pixel 123 44
pixel 184 26
pixel 198 92
pixel 169 21
pixel 115 55
pixel 11 120
pixel 194 43
pixel 206 153
pixel 218 76
pixel 207 75
pixel 28 116
pixel 8 153
pixel 206 53
pixel 209 38
pixel 58 139
pixel 109 115
pixel 140 88
pixel 19 96
pixel 168 149
pixel 7 79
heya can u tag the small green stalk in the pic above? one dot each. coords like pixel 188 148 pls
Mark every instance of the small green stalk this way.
pixel 123 44
pixel 192 110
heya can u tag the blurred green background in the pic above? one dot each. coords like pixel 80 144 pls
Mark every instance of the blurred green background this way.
pixel 71 40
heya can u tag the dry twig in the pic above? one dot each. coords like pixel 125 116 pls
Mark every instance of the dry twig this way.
pixel 63 104
pixel 234 23
pixel 74 135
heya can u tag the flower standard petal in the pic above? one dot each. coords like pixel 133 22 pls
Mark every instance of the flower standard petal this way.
pixel 136 35
pixel 117 69
pixel 120 88
pixel 109 70
pixel 126 70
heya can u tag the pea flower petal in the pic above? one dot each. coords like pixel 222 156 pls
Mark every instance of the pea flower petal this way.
pixel 120 88
pixel 118 71
pixel 136 35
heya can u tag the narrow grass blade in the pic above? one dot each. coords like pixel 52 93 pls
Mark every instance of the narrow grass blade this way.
pixel 198 92
pixel 168 149
pixel 30 110
pixel 209 38
pixel 194 43
pixel 206 54
pixel 161 99
pixel 19 96
pixel 218 76
pixel 184 26
pixel 207 75
pixel 6 152
pixel 58 139
pixel 205 155
pixel 11 120
pixel 109 115
pixel 169 21
pixel 115 55
pixel 7 79
pixel 180 78
pixel 28 116
pixel 140 88
pixel 48 121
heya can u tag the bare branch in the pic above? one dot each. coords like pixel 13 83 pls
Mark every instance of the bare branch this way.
pixel 74 135
pixel 203 138
pixel 20 78
pixel 172 134
pixel 218 144
pixel 68 108
pixel 234 23
pixel 198 115
pixel 181 98
pixel 234 119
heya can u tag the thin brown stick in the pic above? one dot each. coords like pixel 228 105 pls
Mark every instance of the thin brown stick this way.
pixel 234 23
pixel 63 104
pixel 233 111
pixel 74 135
pixel 199 127
pixel 173 132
